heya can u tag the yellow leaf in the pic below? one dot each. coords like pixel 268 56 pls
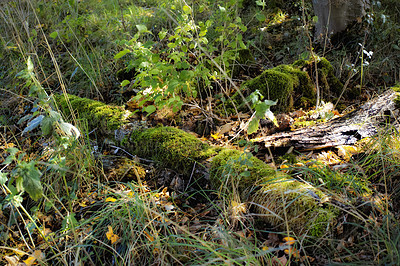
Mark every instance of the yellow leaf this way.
pixel 265 248
pixel 37 254
pixel 346 151
pixel 109 233
pixel 111 236
pixel 149 237
pixel 292 251
pixel 216 136
pixel 110 199
pixel 114 239
pixel 289 240
pixel 29 261
pixel 131 194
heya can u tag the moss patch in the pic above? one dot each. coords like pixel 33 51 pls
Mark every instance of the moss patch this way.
pixel 234 169
pixel 285 83
pixel 329 85
pixel 397 99
pixel 279 199
pixel 294 204
pixel 171 147
pixel 98 114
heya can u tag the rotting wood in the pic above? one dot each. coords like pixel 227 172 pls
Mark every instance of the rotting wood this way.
pixel 366 121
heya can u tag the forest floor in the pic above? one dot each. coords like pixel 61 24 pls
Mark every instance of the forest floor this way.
pixel 90 201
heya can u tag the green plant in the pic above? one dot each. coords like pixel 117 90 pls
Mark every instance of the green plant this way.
pixel 26 174
pixel 262 111
pixel 182 61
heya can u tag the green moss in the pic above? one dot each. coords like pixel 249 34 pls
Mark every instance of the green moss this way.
pixel 285 83
pixel 397 99
pixel 274 85
pixel 171 147
pixel 327 80
pixel 99 115
pixel 297 205
pixel 235 169
pixel 320 224
pixel 279 199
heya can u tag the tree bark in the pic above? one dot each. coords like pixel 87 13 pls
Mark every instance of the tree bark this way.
pixel 335 15
pixel 366 121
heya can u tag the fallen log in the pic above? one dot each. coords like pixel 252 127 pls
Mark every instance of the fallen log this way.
pixel 279 200
pixel 366 121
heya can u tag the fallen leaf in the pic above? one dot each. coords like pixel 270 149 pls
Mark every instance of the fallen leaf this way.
pixel 111 236
pixel 110 199
pixel 149 237
pixel 37 254
pixel 216 136
pixel 169 207
pixel 289 240
pixel 280 261
pixel 292 251
pixel 346 151
pixel 12 261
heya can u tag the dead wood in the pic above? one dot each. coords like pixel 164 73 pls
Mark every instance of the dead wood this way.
pixel 366 121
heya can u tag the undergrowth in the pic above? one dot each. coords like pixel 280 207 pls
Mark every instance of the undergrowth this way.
pixel 58 204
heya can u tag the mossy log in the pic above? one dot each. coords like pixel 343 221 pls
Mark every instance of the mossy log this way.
pixel 292 204
pixel 366 121
pixel 278 199
pixel 98 115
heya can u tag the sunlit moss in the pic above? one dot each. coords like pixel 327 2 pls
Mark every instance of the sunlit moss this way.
pixel 171 147
pixel 294 205
pixel 278 199
pixel 327 81
pixel 99 115
pixel 233 168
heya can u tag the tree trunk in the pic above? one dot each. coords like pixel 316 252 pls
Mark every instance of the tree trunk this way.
pixel 366 121
pixel 335 15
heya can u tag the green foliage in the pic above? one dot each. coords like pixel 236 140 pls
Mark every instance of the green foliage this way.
pixel 349 183
pixel 25 175
pixel 167 74
pixel 262 111
pixel 43 114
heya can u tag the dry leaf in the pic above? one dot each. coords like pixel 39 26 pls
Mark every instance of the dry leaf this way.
pixel 37 254
pixel 346 151
pixel 216 136
pixel 110 199
pixel 149 237
pixel 12 261
pixel 289 240
pixel 111 236
pixel 292 251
